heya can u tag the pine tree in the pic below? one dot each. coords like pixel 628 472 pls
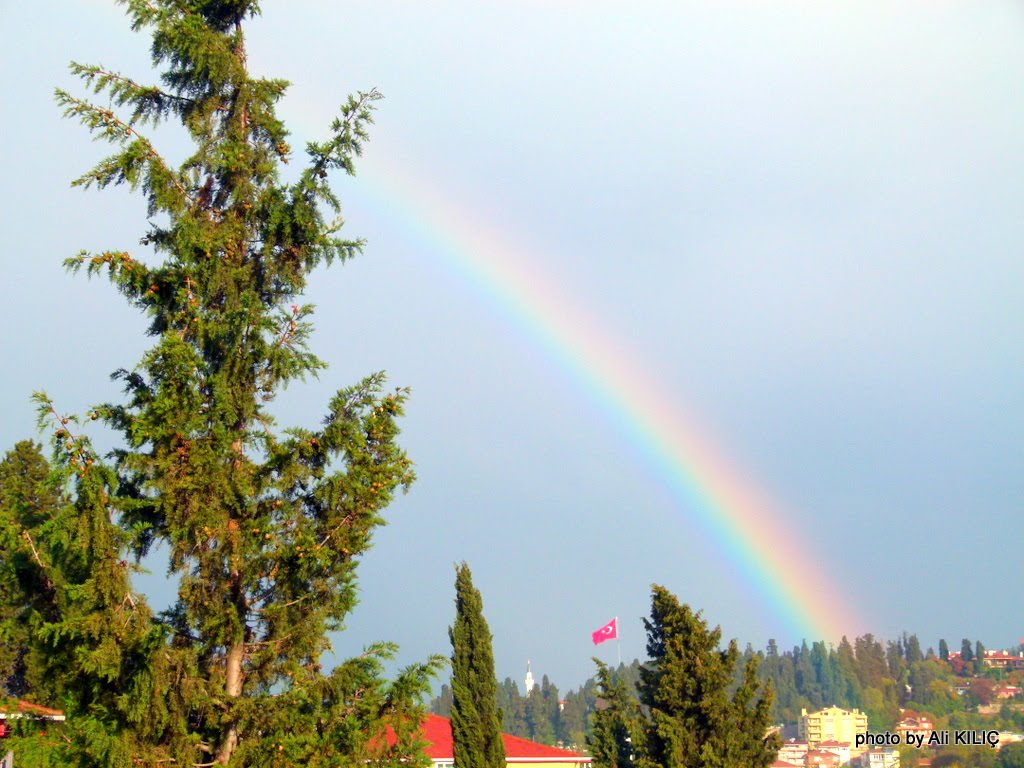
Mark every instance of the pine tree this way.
pixel 264 527
pixel 90 644
pixel 476 720
pixel 695 722
pixel 27 500
pixel 616 722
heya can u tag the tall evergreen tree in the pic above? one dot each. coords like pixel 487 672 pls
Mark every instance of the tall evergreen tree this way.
pixel 806 679
pixel 616 722
pixel 695 722
pixel 979 658
pixel 476 720
pixel 966 651
pixel 870 665
pixel 824 671
pixel 264 527
pixel 848 688
pixel 913 649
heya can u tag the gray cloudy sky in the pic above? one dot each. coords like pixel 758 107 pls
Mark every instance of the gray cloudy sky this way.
pixel 804 219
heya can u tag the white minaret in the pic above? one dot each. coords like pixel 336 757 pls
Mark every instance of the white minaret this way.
pixel 529 679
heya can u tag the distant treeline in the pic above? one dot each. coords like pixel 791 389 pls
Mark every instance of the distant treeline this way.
pixel 878 678
pixel 539 716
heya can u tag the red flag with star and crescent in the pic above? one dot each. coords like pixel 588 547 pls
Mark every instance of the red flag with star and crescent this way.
pixel 609 631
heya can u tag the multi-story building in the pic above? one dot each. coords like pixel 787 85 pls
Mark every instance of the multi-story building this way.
pixel 831 724
pixel 793 751
pixel 1003 660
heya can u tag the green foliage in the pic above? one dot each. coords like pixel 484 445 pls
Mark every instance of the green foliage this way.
pixel 542 713
pixel 964 757
pixel 28 498
pixel 264 527
pixel 860 675
pixel 572 721
pixel 913 649
pixel 442 705
pixel 696 717
pixel 616 723
pixel 476 720
pixel 570 725
pixel 979 658
pixel 966 651
pixel 512 708
pixel 1011 756
pixel 89 643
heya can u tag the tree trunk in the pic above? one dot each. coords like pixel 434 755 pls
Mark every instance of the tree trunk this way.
pixel 233 688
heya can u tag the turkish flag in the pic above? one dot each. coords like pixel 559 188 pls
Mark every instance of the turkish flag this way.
pixel 609 631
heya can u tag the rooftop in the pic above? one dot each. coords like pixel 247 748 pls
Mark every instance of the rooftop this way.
pixel 438 731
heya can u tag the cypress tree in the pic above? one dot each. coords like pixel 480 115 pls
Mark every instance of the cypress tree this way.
pixel 476 719
pixel 264 526
pixel 694 721
pixel 966 651
pixel 913 650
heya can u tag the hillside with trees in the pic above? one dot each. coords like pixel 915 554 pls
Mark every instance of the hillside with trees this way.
pixel 880 678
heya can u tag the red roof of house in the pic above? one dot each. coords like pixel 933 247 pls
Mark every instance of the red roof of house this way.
pixel 438 731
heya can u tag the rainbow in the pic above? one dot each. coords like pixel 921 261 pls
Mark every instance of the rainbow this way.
pixel 747 529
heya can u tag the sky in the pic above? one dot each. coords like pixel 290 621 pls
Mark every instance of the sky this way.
pixel 720 296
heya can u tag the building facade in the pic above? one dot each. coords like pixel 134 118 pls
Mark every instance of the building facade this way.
pixel 880 758
pixel 831 724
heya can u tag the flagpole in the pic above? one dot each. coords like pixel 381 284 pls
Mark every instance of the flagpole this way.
pixel 618 642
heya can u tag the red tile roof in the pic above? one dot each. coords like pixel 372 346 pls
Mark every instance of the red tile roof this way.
pixel 437 731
